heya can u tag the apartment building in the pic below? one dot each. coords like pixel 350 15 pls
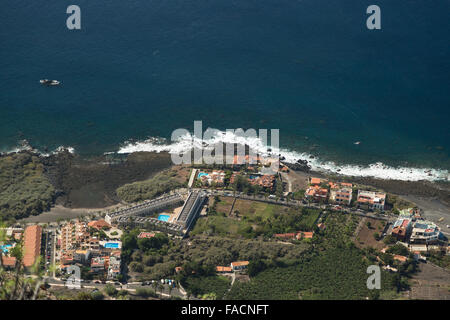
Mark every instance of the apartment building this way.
pixel 371 199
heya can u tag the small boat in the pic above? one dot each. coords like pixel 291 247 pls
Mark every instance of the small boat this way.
pixel 357 142
pixel 47 82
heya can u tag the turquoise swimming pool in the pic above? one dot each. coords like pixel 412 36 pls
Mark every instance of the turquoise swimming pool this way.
pixel 163 217
pixel 111 245
pixel 5 247
pixel 201 174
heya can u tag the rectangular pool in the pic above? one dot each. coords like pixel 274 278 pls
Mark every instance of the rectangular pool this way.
pixel 163 217
pixel 111 245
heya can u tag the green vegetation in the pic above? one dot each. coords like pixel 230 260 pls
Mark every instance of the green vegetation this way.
pixel 161 183
pixel 111 290
pixel 14 284
pixel 252 218
pixel 213 286
pixel 207 251
pixel 97 295
pixel 145 293
pixel 398 249
pixel 146 256
pixel 398 203
pixel 337 273
pixel 439 258
pixel 24 189
pixel 389 239
pixel 333 269
pixel 299 194
pixel 201 280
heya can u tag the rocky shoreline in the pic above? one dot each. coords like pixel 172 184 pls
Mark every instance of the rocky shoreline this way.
pixel 92 182
pixel 435 190
pixel 84 183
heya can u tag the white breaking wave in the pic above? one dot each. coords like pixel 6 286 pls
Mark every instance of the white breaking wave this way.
pixel 25 146
pixel 375 170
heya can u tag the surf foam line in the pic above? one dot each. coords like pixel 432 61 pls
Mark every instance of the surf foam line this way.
pixel 25 146
pixel 375 170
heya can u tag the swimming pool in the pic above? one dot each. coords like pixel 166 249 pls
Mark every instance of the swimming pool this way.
pixel 5 247
pixel 111 245
pixel 163 217
pixel 201 174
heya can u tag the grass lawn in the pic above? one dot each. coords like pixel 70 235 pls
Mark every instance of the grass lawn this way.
pixel 218 225
pixel 253 209
pixel 224 205
pixel 253 218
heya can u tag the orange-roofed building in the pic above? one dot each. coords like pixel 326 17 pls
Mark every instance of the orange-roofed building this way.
pixel 371 200
pixel 346 184
pixel 316 193
pixel 341 195
pixel 304 235
pixel 285 235
pixel 400 258
pixel 8 262
pixel 315 181
pixel 32 245
pixel 239 265
pixel 146 235
pixel 99 224
pixel 178 269
pixel 402 228
pixel 247 159
pixel 223 269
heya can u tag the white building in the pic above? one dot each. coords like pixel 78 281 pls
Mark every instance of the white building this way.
pixel 371 199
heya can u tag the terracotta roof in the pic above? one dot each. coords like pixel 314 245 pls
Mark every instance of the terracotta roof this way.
pixel 32 245
pixel 317 191
pixel 345 184
pixel 285 235
pixel 178 269
pixel 99 224
pixel 307 235
pixel 400 258
pixel 223 269
pixel 146 235
pixel 315 181
pixel 9 261
pixel 239 263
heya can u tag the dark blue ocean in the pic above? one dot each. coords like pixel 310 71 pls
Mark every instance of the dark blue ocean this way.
pixel 142 68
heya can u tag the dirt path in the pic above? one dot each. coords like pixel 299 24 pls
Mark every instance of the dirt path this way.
pixel 431 282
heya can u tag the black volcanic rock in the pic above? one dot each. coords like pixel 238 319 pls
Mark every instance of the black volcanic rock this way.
pixel 300 165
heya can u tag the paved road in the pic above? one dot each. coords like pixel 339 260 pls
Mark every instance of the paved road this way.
pixel 297 204
pixel 131 287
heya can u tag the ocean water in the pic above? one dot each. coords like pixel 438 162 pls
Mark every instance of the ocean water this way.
pixel 138 69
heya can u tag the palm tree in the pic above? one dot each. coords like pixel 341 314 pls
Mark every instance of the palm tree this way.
pixel 14 285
